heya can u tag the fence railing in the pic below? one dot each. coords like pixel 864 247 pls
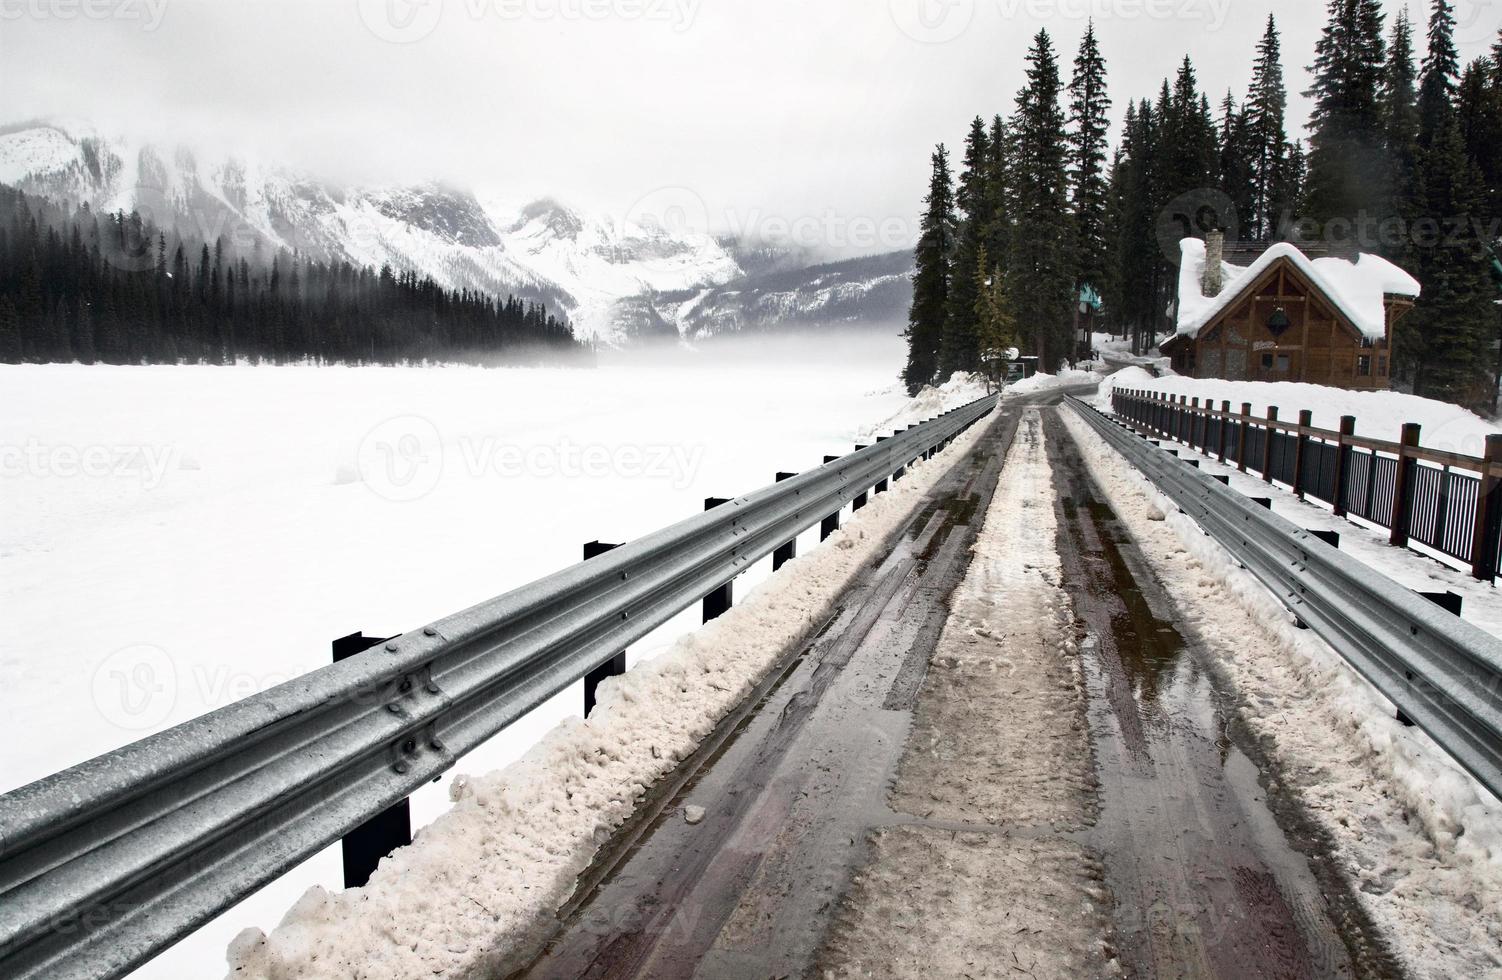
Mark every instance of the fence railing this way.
pixel 1446 501
pixel 106 864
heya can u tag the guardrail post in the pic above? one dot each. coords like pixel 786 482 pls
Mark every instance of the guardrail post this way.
pixel 383 833
pixel 831 523
pixel 1267 446
pixel 1402 495
pixel 616 665
pixel 1343 465
pixel 789 551
pixel 718 602
pixel 1246 432
pixel 881 485
pixel 900 471
pixel 860 498
pixel 1301 451
pixel 1486 539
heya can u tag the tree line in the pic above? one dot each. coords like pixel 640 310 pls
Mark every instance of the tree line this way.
pixel 1401 160
pixel 76 285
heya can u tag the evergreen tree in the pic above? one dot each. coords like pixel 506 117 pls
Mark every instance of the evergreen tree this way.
pixel 1346 121
pixel 1267 140
pixel 959 349
pixel 994 315
pixel 931 276
pixel 1441 74
pixel 1236 166
pixel 1455 318
pixel 998 192
pixel 1089 109
pixel 1041 267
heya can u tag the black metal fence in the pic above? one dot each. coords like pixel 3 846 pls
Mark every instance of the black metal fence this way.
pixel 1446 501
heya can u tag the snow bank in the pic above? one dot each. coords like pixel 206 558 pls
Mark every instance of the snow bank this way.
pixel 1420 839
pixel 480 885
pixel 1356 288
pixel 1379 414
pixel 961 389
pixel 1052 382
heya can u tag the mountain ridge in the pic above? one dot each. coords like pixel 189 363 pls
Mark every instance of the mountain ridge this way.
pixel 618 281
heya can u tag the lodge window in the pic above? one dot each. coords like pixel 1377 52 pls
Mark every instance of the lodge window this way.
pixel 1382 366
pixel 1364 366
pixel 1283 362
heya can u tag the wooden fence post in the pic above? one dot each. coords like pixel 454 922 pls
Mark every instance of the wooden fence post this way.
pixel 1225 429
pixel 1402 495
pixel 1267 446
pixel 1301 451
pixel 1343 464
pixel 1485 539
pixel 1246 432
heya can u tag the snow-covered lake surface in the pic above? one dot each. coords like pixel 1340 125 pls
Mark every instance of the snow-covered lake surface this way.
pixel 177 538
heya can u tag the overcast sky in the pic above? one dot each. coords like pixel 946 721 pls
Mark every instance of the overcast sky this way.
pixel 818 110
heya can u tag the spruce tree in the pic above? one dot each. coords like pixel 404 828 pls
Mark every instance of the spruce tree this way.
pixel 1041 267
pixel 1089 109
pixel 998 192
pixel 1267 139
pixel 1441 73
pixel 1345 146
pixel 1235 167
pixel 959 349
pixel 995 319
pixel 931 276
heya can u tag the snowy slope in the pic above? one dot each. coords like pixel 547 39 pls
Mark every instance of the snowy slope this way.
pixel 616 279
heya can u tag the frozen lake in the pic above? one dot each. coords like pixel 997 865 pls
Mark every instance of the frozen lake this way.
pixel 177 538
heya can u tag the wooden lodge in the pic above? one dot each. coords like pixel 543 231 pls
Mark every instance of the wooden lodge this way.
pixel 1287 317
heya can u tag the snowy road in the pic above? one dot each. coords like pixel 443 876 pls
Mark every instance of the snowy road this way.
pixel 1014 751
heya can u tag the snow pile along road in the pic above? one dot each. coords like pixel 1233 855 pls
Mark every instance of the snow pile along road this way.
pixel 1420 839
pixel 1379 414
pixel 479 886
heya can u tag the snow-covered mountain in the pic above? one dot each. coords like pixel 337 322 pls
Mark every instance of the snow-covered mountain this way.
pixel 617 280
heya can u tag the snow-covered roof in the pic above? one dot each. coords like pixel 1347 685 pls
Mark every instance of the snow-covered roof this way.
pixel 1357 288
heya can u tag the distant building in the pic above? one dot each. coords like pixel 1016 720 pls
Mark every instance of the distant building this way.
pixel 1286 316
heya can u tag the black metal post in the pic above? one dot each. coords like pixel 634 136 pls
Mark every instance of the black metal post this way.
pixel 718 602
pixel 383 833
pixel 616 665
pixel 789 551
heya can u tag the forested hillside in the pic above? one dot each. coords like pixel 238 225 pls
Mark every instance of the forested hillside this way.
pixel 80 286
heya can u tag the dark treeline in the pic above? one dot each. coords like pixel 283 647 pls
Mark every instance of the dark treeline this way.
pixel 1401 160
pixel 81 286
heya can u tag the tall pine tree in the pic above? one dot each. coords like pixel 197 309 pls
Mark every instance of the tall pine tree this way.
pixel 931 276
pixel 1345 146
pixel 1041 266
pixel 959 348
pixel 1089 108
pixel 1267 141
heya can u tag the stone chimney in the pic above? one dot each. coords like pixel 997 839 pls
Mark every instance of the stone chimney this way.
pixel 1215 256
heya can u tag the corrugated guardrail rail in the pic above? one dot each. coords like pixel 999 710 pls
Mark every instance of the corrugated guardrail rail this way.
pixel 104 865
pixel 1443 673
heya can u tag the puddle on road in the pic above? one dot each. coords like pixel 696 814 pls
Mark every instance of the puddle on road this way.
pixel 1206 884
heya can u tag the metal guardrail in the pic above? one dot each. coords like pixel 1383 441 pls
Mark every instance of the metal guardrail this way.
pixel 1443 673
pixel 108 863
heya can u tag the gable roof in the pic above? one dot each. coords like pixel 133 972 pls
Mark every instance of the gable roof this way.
pixel 1357 289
